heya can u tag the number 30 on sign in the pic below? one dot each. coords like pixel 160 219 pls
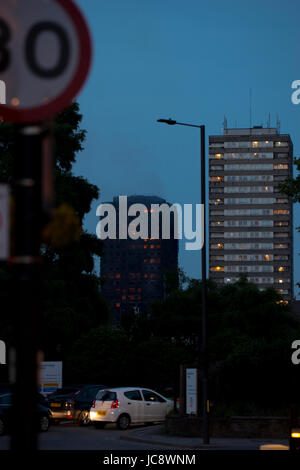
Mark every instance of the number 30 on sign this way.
pixel 45 54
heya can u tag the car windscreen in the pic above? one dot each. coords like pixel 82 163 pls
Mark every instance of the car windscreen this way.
pixel 106 395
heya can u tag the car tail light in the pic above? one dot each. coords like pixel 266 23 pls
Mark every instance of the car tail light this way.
pixel 94 404
pixel 115 404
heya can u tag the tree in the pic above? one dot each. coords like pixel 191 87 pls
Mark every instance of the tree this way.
pixel 72 302
pixel 249 334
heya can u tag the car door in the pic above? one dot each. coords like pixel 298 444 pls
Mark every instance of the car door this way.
pixel 135 405
pixel 155 406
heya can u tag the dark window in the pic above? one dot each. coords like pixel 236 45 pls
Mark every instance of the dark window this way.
pixel 105 395
pixel 133 395
pixel 151 396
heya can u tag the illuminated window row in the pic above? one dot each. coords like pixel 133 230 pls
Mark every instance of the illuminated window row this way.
pixel 248 156
pixel 253 166
pixel 249 257
pixel 248 269
pixel 248 223
pixel 248 212
pixel 256 280
pixel 241 178
pixel 248 235
pixel 251 246
pixel 253 144
pixel 253 200
pixel 248 189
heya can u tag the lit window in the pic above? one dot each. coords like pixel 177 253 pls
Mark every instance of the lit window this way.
pixel 217 268
pixel 254 144
pixel 118 305
pixel 281 211
pixel 215 179
pixel 281 268
pixel 218 156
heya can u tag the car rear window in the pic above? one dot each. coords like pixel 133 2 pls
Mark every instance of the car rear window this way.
pixel 106 395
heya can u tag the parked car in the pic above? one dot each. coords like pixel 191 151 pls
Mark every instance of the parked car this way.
pixel 73 402
pixel 43 415
pixel 127 405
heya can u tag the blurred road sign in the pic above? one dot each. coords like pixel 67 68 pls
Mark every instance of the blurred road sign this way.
pixel 191 391
pixel 2 92
pixel 4 221
pixel 51 376
pixel 45 53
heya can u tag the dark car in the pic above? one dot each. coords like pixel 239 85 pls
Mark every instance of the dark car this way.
pixel 43 415
pixel 73 402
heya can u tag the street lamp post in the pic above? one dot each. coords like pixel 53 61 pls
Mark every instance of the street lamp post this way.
pixel 205 402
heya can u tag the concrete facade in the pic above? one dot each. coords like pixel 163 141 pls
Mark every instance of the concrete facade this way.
pixel 250 221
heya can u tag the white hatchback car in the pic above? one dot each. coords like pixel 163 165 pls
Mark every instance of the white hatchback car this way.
pixel 127 405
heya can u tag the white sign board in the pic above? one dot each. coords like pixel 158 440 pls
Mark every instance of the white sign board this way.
pixel 191 391
pixel 2 352
pixel 2 92
pixel 50 376
pixel 4 221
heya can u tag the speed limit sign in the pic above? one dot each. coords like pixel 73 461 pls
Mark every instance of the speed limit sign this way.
pixel 45 54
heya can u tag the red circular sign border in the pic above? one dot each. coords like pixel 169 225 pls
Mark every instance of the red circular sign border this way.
pixel 40 113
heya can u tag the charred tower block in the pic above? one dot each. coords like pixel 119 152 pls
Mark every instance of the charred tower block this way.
pixel 134 271
pixel 250 221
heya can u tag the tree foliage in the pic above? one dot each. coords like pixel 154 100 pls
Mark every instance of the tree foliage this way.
pixel 72 303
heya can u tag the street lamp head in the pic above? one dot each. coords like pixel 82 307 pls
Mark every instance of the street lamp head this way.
pixel 170 121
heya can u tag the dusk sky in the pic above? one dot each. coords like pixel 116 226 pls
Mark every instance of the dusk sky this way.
pixel 195 62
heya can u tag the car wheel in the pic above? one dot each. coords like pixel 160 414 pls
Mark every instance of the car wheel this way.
pixel 123 422
pixel 44 423
pixel 84 418
pixel 2 427
pixel 99 424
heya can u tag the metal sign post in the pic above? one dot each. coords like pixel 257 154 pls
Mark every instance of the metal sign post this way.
pixel 44 61
pixel 26 269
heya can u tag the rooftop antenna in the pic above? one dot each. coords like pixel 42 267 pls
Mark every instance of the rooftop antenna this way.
pixel 269 121
pixel 277 124
pixel 225 124
pixel 250 109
